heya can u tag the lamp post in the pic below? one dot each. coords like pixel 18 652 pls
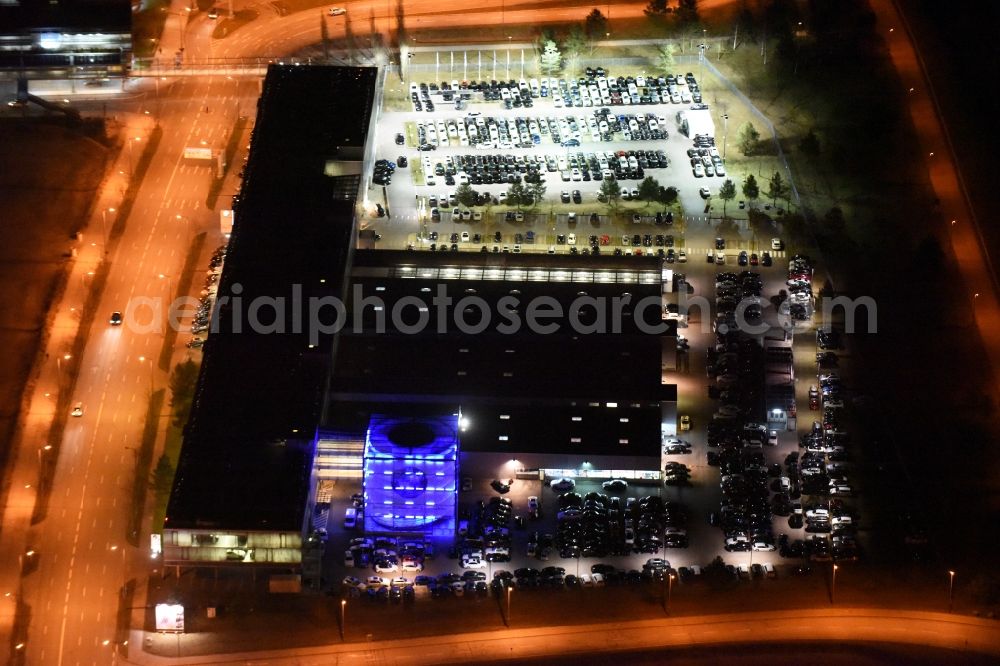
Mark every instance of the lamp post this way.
pixel 168 282
pixel 509 590
pixel 59 360
pixel 833 585
pixel 143 359
pixel 130 166
pixel 104 226
pixel 951 588
pixel 187 223
pixel 725 135
pixel 343 617
pixel 669 580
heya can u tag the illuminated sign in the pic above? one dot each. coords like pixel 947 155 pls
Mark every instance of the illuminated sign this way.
pixel 155 544
pixel 170 618
pixel 50 40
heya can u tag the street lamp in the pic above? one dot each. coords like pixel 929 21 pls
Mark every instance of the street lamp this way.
pixel 187 223
pixel 104 226
pixel 833 586
pixel 130 169
pixel 951 588
pixel 509 590
pixel 343 615
pixel 143 359
pixel 168 282
pixel 670 588
pixel 725 135
pixel 59 360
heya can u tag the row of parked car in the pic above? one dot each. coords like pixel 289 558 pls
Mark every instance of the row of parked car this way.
pixel 598 525
pixel 508 169
pixel 386 554
pixel 203 316
pixel 737 365
pixel 597 88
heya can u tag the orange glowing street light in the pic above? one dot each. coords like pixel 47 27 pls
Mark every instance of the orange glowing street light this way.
pixel 343 617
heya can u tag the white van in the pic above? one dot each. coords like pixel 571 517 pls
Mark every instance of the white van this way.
pixel 350 518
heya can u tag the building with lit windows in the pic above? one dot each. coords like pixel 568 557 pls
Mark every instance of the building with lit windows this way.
pixel 67 39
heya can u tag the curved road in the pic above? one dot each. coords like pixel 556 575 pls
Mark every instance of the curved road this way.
pixel 270 35
pixel 854 625
pixel 946 179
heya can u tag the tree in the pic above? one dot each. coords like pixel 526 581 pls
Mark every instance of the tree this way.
pixel 665 57
pixel 746 24
pixel 656 8
pixel 595 25
pixel 574 46
pixel 776 188
pixel 183 379
pixel 551 59
pixel 182 384
pixel 687 11
pixel 466 195
pixel 727 193
pixel 575 43
pixel 611 190
pixel 748 138
pixel 517 195
pixel 751 190
pixel 667 196
pixel 163 476
pixel 809 144
pixel 649 189
pixel 537 192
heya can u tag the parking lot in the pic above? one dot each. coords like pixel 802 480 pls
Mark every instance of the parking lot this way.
pixel 571 150
pixel 756 496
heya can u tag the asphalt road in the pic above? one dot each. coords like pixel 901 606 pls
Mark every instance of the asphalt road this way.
pixel 82 558
pixel 959 633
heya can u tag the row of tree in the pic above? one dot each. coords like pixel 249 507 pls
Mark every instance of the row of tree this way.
pixel 685 11
pixel 777 188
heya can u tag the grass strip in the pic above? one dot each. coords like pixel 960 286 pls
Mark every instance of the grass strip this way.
pixel 143 463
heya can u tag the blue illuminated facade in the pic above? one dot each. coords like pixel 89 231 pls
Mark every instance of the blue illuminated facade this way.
pixel 410 468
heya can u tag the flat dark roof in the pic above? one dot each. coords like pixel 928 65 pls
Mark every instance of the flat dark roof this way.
pixel 381 356
pixel 247 448
pixel 540 379
pixel 512 425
